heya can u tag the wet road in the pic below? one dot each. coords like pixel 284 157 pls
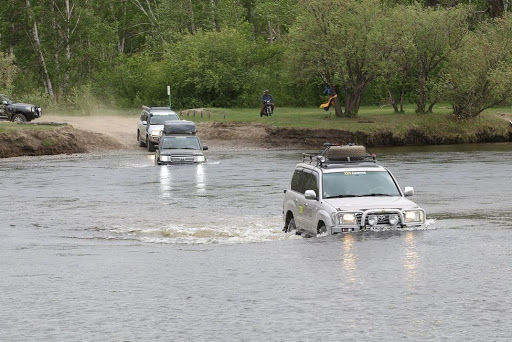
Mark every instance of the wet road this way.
pixel 114 248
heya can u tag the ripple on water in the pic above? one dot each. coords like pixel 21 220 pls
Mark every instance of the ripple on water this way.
pixel 177 234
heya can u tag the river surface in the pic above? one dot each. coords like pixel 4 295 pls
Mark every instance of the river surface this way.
pixel 110 247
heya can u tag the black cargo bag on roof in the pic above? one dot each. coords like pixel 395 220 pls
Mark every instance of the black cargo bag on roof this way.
pixel 179 127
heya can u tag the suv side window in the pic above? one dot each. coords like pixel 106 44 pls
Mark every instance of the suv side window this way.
pixel 310 183
pixel 297 182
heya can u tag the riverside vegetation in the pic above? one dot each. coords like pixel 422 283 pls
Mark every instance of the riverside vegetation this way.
pixel 287 128
pixel 225 53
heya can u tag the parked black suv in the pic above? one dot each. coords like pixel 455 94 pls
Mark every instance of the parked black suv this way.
pixel 18 112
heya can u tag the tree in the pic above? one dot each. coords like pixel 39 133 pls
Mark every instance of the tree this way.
pixel 7 70
pixel 435 33
pixel 212 68
pixel 393 37
pixel 333 41
pixel 480 73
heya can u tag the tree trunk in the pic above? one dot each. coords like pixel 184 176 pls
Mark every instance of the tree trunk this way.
pixel 402 97
pixel 353 102
pixel 216 24
pixel 68 13
pixel 392 100
pixel 337 104
pixel 431 3
pixel 190 9
pixel 496 8
pixel 431 107
pixel 150 14
pixel 121 39
pixel 37 46
pixel 270 35
pixel 56 52
pixel 421 100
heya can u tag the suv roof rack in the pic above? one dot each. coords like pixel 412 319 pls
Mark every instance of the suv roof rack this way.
pixel 336 154
pixel 156 108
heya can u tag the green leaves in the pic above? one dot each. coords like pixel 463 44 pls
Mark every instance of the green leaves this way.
pixel 480 72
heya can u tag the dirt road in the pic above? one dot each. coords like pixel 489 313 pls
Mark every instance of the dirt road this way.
pixel 124 131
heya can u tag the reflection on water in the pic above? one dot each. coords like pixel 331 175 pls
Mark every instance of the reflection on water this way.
pixel 183 182
pixel 165 182
pixel 348 257
pixel 411 259
pixel 200 179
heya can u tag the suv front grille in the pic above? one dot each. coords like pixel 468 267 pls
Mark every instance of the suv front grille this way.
pixel 177 159
pixel 383 218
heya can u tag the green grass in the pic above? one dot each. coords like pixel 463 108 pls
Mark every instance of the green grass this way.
pixel 370 119
pixel 15 127
pixel 49 142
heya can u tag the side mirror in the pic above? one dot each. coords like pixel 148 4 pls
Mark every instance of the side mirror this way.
pixel 205 147
pixel 310 194
pixel 408 191
pixel 4 102
pixel 144 123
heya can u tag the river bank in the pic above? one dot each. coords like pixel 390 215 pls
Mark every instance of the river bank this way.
pixel 81 134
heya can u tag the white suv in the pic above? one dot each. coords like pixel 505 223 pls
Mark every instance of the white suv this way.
pixel 343 189
pixel 151 123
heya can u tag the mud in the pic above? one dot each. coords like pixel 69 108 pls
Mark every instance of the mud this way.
pixel 64 139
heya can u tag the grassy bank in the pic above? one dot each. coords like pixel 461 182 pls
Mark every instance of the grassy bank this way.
pixel 407 128
pixel 292 127
pixel 6 127
pixel 48 139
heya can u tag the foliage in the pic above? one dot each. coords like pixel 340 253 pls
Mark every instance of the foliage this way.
pixel 225 53
pixel 83 100
pixel 480 74
pixel 435 33
pixel 217 69
pixel 333 41
pixel 7 70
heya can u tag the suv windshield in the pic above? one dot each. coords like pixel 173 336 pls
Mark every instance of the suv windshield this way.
pixel 181 142
pixel 160 119
pixel 358 183
pixel 5 98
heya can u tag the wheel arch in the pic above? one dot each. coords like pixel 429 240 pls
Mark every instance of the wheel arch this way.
pixel 288 217
pixel 325 218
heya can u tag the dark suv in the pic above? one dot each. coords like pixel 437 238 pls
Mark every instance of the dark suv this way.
pixel 18 112
pixel 179 144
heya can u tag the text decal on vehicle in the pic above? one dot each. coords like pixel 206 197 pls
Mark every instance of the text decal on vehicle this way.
pixel 349 173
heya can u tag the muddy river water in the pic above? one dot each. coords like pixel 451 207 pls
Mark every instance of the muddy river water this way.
pixel 110 247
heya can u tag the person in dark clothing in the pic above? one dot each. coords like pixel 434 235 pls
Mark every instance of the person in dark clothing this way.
pixel 266 97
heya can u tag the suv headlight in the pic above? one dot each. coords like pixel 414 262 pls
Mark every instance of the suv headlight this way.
pixel 414 216
pixel 347 218
pixel 155 133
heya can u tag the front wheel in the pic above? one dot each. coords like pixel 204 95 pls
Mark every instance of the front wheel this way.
pixel 151 146
pixel 321 229
pixel 19 118
pixel 290 226
pixel 141 143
